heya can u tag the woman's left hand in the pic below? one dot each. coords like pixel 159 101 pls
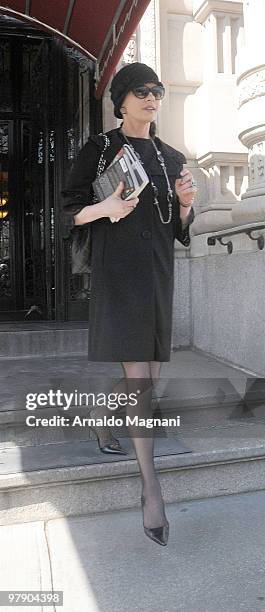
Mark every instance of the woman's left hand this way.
pixel 186 188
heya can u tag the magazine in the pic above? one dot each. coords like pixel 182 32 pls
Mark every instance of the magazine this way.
pixel 125 167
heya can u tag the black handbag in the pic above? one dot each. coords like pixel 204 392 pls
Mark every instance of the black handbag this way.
pixel 81 249
pixel 81 244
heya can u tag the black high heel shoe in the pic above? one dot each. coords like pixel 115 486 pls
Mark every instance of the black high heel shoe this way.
pixel 157 534
pixel 114 448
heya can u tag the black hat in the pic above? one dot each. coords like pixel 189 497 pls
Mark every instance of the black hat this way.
pixel 130 76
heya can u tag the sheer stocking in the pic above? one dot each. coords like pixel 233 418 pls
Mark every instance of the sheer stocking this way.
pixel 104 433
pixel 139 377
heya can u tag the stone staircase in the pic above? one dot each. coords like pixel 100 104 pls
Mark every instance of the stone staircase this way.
pixel 48 472
pixel 42 338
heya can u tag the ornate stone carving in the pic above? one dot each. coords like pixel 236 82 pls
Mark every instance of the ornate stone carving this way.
pixel 251 171
pixel 260 159
pixel 256 168
pixel 251 86
pixel 130 54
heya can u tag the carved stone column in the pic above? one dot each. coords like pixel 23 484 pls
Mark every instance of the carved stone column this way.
pixel 220 156
pixel 225 175
pixel 251 100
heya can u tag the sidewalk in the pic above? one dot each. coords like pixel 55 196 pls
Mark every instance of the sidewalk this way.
pixel 214 560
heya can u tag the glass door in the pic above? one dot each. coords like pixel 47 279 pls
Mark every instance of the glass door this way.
pixel 7 291
pixel 26 239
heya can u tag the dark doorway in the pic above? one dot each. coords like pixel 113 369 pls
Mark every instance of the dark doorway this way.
pixel 16 282
pixel 45 118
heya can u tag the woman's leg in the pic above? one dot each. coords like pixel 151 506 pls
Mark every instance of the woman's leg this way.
pixel 104 433
pixel 155 369
pixel 138 375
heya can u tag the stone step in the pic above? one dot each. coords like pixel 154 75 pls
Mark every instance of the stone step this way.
pixel 73 478
pixel 42 427
pixel 36 339
pixel 196 399
pixel 47 473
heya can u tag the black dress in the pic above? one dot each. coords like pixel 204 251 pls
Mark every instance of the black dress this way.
pixel 132 277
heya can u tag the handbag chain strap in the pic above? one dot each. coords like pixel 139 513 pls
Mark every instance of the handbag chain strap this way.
pixel 102 160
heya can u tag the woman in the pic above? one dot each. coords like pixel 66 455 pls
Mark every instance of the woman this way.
pixel 133 261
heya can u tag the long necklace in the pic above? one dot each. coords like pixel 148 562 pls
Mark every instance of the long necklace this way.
pixel 170 194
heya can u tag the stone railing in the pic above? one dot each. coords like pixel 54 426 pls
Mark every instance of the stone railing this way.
pixel 229 229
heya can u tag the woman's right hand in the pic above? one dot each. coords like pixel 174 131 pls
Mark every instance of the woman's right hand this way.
pixel 114 206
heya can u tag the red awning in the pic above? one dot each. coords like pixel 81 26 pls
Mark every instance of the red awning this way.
pixel 100 29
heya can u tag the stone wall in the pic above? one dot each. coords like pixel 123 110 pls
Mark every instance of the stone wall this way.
pixel 182 306
pixel 227 308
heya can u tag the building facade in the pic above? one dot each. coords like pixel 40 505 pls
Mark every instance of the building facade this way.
pixel 211 56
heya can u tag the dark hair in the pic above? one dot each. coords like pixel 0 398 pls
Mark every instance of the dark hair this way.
pixel 152 129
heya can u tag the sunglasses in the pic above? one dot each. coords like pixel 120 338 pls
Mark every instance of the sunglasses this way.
pixel 158 92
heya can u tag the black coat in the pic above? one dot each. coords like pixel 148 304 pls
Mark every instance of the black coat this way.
pixel 132 273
